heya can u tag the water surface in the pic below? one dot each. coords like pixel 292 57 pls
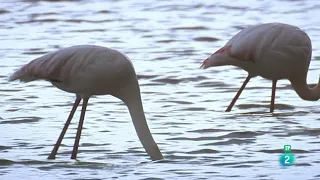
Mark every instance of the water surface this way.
pixel 184 105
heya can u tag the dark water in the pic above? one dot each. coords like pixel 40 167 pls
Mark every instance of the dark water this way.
pixel 184 105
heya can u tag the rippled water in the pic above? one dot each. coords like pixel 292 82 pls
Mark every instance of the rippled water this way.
pixel 184 105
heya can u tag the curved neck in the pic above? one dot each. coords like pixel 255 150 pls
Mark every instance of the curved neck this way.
pixel 133 101
pixel 304 91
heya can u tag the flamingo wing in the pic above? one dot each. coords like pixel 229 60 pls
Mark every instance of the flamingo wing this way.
pixel 59 65
pixel 268 40
pixel 249 44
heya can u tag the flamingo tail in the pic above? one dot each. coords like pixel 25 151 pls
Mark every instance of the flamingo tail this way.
pixel 23 75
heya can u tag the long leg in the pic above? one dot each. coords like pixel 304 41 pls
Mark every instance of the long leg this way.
pixel 77 140
pixel 274 86
pixel 238 93
pixel 64 130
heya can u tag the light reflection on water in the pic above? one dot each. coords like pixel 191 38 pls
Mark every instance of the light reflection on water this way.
pixel 184 105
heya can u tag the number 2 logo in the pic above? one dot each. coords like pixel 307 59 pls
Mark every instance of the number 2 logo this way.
pixel 287 160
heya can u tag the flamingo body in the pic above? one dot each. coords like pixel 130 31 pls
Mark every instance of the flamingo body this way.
pixel 92 70
pixel 273 51
pixel 85 69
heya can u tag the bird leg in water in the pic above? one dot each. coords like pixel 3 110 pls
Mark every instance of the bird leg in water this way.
pixel 64 130
pixel 77 140
pixel 274 86
pixel 238 93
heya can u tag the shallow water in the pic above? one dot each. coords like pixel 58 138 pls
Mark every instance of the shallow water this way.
pixel 184 105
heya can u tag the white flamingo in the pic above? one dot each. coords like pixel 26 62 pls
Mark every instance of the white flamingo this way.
pixel 273 51
pixel 91 70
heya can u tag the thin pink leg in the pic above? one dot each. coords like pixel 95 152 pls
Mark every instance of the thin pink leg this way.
pixel 64 130
pixel 77 140
pixel 273 95
pixel 238 93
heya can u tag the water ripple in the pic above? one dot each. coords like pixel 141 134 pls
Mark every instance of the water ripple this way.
pixel 185 106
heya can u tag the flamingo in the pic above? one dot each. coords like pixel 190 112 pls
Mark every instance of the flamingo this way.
pixel 273 51
pixel 87 70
